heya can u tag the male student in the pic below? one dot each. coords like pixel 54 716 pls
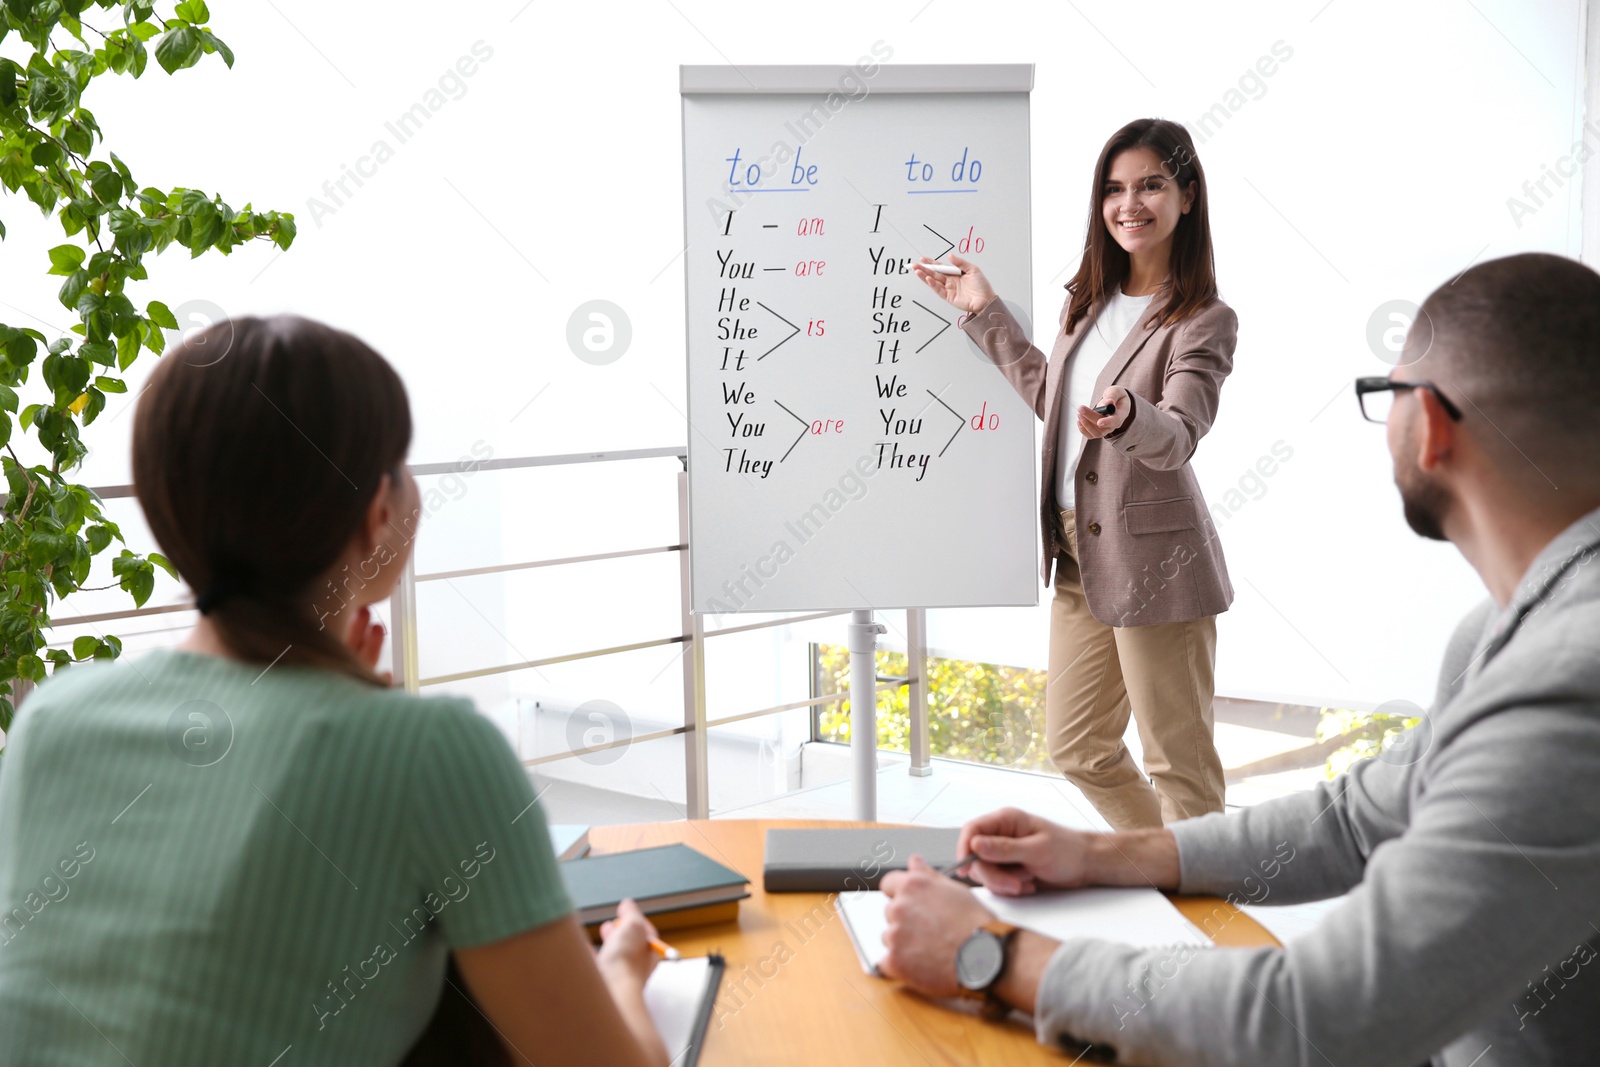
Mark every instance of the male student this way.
pixel 1470 852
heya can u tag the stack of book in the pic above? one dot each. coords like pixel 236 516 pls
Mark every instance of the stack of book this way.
pixel 673 884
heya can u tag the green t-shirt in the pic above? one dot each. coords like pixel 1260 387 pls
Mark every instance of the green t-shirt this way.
pixel 202 863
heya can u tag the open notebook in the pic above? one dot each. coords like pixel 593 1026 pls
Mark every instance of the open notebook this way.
pixel 1141 917
pixel 680 996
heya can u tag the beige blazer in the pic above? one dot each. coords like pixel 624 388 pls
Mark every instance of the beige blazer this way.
pixel 1147 548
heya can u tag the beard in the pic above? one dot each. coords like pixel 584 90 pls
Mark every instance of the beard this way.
pixel 1424 501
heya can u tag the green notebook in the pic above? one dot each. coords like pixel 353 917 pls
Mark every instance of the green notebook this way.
pixel 664 879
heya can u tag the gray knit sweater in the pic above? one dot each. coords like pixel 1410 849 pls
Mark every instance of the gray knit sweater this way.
pixel 1471 855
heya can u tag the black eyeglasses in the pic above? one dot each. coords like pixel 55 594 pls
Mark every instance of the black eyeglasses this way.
pixel 1376 397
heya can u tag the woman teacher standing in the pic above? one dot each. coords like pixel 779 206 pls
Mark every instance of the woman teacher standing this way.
pixel 1139 574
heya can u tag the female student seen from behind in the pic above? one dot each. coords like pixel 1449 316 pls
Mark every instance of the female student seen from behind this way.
pixel 273 853
pixel 1139 573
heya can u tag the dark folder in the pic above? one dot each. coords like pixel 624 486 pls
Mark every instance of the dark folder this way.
pixel 681 1005
pixel 849 858
pixel 664 880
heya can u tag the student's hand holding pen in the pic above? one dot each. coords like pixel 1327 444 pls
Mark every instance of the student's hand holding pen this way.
pixel 1014 853
pixel 626 952
pixel 1017 853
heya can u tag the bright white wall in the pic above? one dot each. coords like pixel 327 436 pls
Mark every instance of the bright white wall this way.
pixel 1373 164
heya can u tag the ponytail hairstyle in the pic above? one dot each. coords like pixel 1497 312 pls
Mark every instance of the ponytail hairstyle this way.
pixel 1192 283
pixel 258 447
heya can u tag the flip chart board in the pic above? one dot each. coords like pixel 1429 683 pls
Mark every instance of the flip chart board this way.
pixel 849 445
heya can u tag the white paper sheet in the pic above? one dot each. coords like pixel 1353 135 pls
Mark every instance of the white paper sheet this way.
pixel 1141 917
pixel 673 996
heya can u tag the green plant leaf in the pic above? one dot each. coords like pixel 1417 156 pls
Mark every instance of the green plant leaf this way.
pixel 96 404
pixel 21 349
pixel 178 49
pixel 135 575
pixel 128 349
pixel 165 564
pixel 84 647
pixel 284 237
pixel 65 259
pixel 124 222
pixel 78 137
pixel 97 352
pixel 106 183
pixel 46 546
pixel 139 585
pixel 215 43
pixel 30 667
pixel 72 289
pixel 47 153
pixel 161 315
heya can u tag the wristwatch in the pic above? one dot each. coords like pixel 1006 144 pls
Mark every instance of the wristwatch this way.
pixel 981 961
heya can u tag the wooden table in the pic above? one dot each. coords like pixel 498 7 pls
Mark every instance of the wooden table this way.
pixel 794 992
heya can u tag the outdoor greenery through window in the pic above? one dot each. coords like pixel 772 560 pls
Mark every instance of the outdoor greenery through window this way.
pixel 993 714
pixel 978 712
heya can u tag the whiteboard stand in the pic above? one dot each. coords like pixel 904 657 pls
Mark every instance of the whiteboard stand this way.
pixel 863 643
pixel 806 383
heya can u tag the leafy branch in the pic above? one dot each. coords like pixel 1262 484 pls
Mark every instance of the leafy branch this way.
pixel 52 151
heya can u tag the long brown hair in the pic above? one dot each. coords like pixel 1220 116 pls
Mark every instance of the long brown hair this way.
pixel 1104 267
pixel 258 446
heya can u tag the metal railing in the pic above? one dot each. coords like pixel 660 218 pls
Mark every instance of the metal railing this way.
pixel 406 655
pixel 692 635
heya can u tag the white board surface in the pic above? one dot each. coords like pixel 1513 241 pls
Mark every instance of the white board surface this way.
pixel 849 447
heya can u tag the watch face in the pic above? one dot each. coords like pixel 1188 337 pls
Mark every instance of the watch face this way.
pixel 979 961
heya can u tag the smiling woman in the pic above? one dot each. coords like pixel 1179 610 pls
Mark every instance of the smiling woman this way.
pixel 1131 386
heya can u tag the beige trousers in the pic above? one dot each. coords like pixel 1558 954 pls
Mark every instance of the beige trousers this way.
pixel 1162 675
